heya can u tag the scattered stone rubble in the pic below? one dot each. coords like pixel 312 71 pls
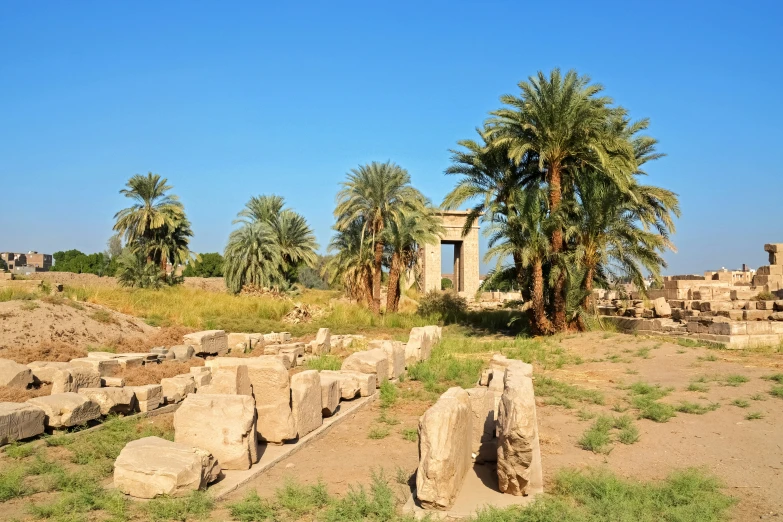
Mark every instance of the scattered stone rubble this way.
pixel 718 307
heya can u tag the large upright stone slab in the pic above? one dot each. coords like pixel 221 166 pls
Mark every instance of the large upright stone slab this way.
pixel 519 453
pixel 224 425
pixel 445 432
pixel 152 466
pixel 207 342
pixel 74 378
pixel 482 406
pixel 64 410
pixel 370 361
pixel 419 345
pixel 272 391
pixel 20 421
pixel 306 401
pixel 322 344
pixel 14 374
pixel 395 353
pixel 330 394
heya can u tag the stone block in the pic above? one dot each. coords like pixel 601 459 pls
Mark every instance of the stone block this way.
pixel 294 351
pixel 350 386
pixel 20 421
pixel 105 367
pixel 207 342
pixel 435 333
pixel 201 379
pixel 322 345
pixel 482 407
pixel 153 466
pixel 368 382
pixel 148 397
pixel 756 315
pixel 74 378
pixel 330 394
pixel 43 371
pixel 419 346
pixel 728 328
pixel 765 305
pixel 64 410
pixel 306 401
pixel 224 425
pixel 775 258
pixel 272 391
pixel 112 382
pixel 112 400
pixel 662 308
pixel 131 361
pixel 770 270
pixel 14 374
pixel 236 340
pixel 773 247
pixel 734 315
pixel 176 388
pixel 228 380
pixel 714 306
pixel 445 434
pixel 182 352
pixel 370 361
pixel 395 354
pixel 519 452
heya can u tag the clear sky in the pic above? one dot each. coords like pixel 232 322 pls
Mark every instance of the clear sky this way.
pixel 233 99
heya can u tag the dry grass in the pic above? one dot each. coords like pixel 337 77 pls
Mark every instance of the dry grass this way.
pixel 153 373
pixel 54 351
pixel 13 394
pixel 166 336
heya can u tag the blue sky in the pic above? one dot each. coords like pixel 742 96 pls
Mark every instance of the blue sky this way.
pixel 233 99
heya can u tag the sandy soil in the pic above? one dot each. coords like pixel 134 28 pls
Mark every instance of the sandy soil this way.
pixel 746 454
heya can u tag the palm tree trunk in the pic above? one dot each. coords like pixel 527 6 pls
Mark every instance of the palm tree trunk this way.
pixel 555 198
pixel 393 289
pixel 520 269
pixel 541 324
pixel 588 286
pixel 376 278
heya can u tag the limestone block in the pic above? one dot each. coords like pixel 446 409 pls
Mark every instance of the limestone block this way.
pixel 43 371
pixel 756 315
pixel 64 410
pixel 368 382
pixel 228 380
pixel 272 391
pixel 196 370
pixel 74 378
pixel 776 316
pixel 20 421
pixel 208 342
pixel 148 397
pixel 773 247
pixel 395 354
pixel 435 333
pixel 770 270
pixel 294 351
pixel 105 367
pixel 322 344
pixel 236 339
pixel 176 388
pixel 765 305
pixel 286 360
pixel 445 433
pixel 776 258
pixel 112 382
pixel 498 366
pixel 153 466
pixel 131 361
pixel 280 337
pixel 112 400
pixel 482 407
pixel 182 352
pixel 224 425
pixel 330 394
pixel 662 308
pixel 519 453
pixel 370 361
pixel 419 346
pixel 350 386
pixel 714 306
pixel 14 374
pixel 306 401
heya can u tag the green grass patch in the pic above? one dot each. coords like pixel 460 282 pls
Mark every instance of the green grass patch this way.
pixel 777 391
pixel 757 397
pixel 388 394
pixel 378 432
pixel 740 403
pixel 754 415
pixel 777 377
pixel 698 387
pixel 410 434
pixel 695 408
pixel 12 482
pixel 561 393
pixel 16 450
pixel 196 505
pixel 734 380
pixel 324 362
pixel 649 391
pixel 599 436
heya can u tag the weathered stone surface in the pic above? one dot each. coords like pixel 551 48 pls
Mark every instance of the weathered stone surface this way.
pixel 395 354
pixel 272 391
pixel 419 345
pixel 519 454
pixel 105 367
pixel 306 401
pixel 435 333
pixel 770 270
pixel 662 308
pixel 176 388
pixel 131 361
pixel 445 432
pixel 64 410
pixel 330 394
pixel 322 345
pixel 238 342
pixel 279 337
pixel 370 361
pixel 482 406
pixel 228 380
pixel 43 371
pixel 14 374
pixel 224 425
pixel 112 400
pixel 201 379
pixel 368 382
pixel 773 247
pixel 74 378
pixel 20 421
pixel 208 342
pixel 112 382
pixel 295 351
pixel 153 466
pixel 286 360
pixel 148 397
pixel 349 384
pixel 182 352
pixel 498 365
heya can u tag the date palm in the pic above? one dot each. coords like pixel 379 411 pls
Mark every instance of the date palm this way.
pixel 252 257
pixel 373 195
pixel 351 261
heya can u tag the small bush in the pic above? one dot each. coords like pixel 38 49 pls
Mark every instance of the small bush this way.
pixel 379 505
pixel 102 316
pixel 378 432
pixel 698 387
pixel 777 391
pixel 764 296
pixel 449 307
pixel 655 411
pixel 446 283
pixel 299 500
pixel 12 483
pixel 388 394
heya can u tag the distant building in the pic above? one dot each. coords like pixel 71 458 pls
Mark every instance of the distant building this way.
pixel 27 263
pixel 743 276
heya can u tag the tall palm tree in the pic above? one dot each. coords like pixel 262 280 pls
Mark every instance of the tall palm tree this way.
pixel 252 257
pixel 153 211
pixel 351 262
pixel 374 195
pixel 565 123
pixel 403 236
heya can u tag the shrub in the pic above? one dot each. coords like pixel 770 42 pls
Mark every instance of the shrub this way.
pixel 449 307
pixel 446 284
pixel 764 296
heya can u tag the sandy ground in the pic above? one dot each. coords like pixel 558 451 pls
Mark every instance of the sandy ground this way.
pixel 746 454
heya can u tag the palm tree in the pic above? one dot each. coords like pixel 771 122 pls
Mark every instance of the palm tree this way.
pixel 374 195
pixel 563 123
pixel 403 236
pixel 252 257
pixel 351 262
pixel 295 240
pixel 153 211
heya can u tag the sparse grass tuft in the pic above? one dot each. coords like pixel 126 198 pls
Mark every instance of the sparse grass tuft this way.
pixel 598 437
pixel 696 408
pixel 757 397
pixel 325 362
pixel 17 450
pixel 378 432
pixel 740 403
pixel 12 483
pixel 102 316
pixel 584 414
pixel 777 391
pixel 252 508
pixel 754 415
pixel 389 394
pixel 708 358
pixel 698 387
pixel 777 377
pixel 734 380
pixel 561 393
pixel 196 505
pixel 410 434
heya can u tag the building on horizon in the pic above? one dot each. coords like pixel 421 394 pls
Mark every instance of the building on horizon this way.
pixel 27 263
